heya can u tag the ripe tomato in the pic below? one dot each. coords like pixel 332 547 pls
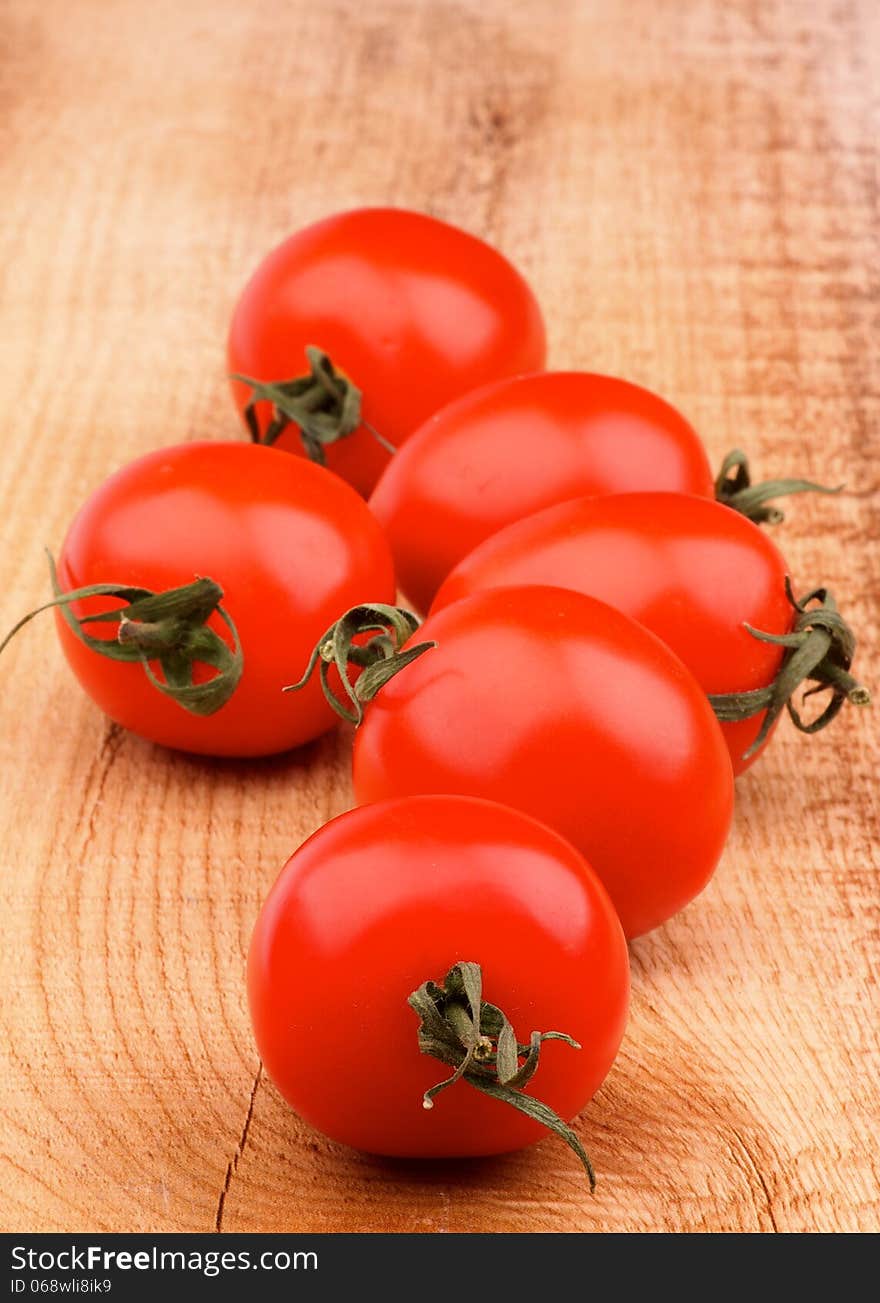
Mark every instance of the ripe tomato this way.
pixel 557 704
pixel 412 310
pixel 388 896
pixel 517 446
pixel 286 541
pixel 692 571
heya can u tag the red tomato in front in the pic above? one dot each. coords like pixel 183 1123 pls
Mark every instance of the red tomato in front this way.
pixel 389 895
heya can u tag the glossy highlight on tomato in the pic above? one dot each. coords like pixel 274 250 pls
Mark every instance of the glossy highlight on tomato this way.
pixel 517 446
pixel 414 311
pixel 390 895
pixel 561 706
pixel 692 571
pixel 288 542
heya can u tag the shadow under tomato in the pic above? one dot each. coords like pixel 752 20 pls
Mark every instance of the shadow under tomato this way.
pixel 463 1173
pixel 332 749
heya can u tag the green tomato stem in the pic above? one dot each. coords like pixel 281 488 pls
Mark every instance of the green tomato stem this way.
pixel 458 1027
pixel 324 405
pixel 378 660
pixel 734 488
pixel 819 649
pixel 169 627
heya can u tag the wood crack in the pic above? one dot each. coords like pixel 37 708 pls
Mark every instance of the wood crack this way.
pixel 756 1168
pixel 232 1165
pixel 114 735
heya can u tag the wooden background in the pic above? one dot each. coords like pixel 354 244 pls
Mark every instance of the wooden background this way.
pixel 691 187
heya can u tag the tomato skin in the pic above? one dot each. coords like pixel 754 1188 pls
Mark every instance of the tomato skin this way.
pixel 514 447
pixel 561 706
pixel 414 311
pixel 290 544
pixel 690 570
pixel 387 896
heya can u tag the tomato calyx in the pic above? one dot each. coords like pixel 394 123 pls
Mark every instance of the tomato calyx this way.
pixel 324 405
pixel 169 627
pixel 734 488
pixel 460 1028
pixel 379 659
pixel 820 648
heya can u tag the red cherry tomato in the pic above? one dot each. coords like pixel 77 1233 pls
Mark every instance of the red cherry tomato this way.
pixel 558 705
pixel 413 311
pixel 512 448
pixel 388 896
pixel 288 542
pixel 690 570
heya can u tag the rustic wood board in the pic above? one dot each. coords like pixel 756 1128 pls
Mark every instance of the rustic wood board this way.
pixel 692 189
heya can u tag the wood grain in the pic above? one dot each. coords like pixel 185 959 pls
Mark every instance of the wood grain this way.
pixel 691 187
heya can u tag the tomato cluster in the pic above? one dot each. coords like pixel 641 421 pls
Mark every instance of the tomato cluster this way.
pixel 544 766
